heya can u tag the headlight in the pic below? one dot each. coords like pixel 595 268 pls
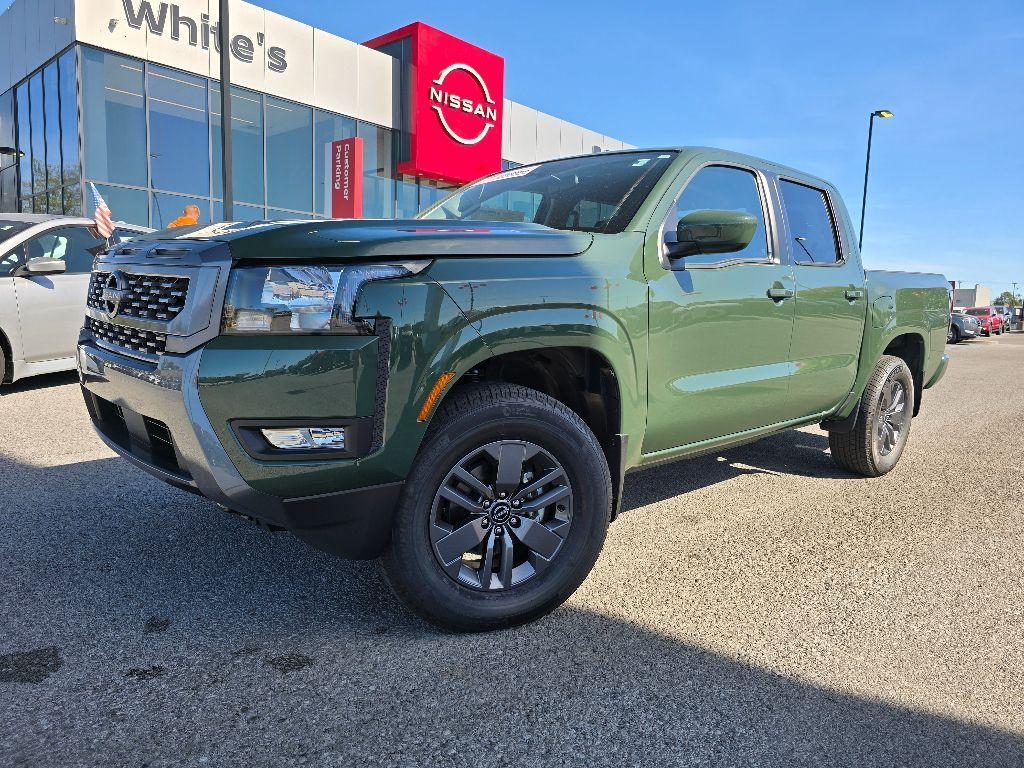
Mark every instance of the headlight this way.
pixel 302 298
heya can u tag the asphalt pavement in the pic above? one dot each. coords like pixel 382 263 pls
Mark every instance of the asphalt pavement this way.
pixel 754 608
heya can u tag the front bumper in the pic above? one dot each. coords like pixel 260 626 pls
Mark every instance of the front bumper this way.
pixel 153 417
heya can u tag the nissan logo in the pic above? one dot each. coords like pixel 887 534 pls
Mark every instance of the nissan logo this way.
pixel 115 290
pixel 483 107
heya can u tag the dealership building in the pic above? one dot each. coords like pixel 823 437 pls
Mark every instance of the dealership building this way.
pixel 125 94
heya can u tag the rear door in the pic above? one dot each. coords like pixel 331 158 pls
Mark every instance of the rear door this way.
pixel 720 324
pixel 831 300
pixel 51 307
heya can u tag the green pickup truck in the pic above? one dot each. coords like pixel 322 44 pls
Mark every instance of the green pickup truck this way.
pixel 464 392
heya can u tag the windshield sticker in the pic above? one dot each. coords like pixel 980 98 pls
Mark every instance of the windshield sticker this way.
pixel 513 173
pixel 641 162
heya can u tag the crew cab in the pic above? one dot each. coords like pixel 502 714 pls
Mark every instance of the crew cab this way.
pixel 463 393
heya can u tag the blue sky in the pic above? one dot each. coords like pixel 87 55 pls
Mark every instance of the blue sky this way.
pixel 790 81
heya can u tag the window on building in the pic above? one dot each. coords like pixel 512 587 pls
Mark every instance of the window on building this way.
pixel 810 224
pixel 114 118
pixel 378 170
pixel 407 197
pixel 722 188
pixel 329 127
pixel 289 155
pixel 246 145
pixel 8 162
pixel 37 139
pixel 166 208
pixel 179 132
pixel 70 172
pixel 431 191
pixel 241 212
pixel 24 145
pixel 51 131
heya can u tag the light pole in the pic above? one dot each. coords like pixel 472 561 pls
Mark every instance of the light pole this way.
pixel 883 113
pixel 224 35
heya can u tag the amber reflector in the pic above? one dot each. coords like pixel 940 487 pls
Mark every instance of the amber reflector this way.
pixel 435 393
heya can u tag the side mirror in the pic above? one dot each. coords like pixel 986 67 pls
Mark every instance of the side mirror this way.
pixel 711 231
pixel 41 265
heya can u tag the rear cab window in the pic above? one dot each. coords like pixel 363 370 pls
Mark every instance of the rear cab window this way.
pixel 812 227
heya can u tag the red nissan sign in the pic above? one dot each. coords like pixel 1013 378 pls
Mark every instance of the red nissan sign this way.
pixel 455 105
pixel 345 179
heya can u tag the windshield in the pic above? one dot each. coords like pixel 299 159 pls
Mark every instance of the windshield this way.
pixel 595 193
pixel 10 228
pixel 978 312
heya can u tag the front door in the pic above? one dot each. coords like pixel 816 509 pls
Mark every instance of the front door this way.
pixel 51 308
pixel 720 327
pixel 831 302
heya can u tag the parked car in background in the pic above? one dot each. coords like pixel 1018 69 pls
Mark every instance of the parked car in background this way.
pixel 990 319
pixel 1009 317
pixel 962 327
pixel 45 263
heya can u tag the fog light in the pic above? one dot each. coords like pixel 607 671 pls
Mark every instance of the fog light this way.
pixel 306 438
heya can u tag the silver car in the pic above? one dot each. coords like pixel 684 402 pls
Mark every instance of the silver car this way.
pixel 45 263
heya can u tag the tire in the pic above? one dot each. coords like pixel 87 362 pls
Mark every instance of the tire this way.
pixel 870 449
pixel 953 336
pixel 3 366
pixel 476 425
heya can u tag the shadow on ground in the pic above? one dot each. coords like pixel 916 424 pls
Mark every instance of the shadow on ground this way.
pixel 39 382
pixel 145 626
pixel 788 453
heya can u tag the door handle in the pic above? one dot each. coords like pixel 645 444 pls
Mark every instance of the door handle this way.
pixel 854 295
pixel 779 294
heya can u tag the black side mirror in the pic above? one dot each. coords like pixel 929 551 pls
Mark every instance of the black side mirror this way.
pixel 711 231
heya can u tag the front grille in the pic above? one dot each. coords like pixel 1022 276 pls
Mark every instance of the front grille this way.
pixel 135 339
pixel 151 297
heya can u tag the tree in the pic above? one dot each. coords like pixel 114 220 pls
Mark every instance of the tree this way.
pixel 1007 299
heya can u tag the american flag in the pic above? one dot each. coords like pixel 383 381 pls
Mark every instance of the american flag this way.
pixel 102 217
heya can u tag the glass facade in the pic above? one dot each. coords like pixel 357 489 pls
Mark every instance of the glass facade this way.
pixel 39 167
pixel 150 140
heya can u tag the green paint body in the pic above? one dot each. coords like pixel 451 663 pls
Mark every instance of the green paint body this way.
pixel 703 358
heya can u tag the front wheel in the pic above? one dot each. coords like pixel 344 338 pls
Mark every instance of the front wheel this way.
pixel 953 335
pixel 875 444
pixel 504 513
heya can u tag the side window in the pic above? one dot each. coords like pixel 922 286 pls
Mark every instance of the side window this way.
pixel 72 244
pixel 810 224
pixel 723 188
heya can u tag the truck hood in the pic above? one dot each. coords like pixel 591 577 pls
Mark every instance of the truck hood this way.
pixel 380 239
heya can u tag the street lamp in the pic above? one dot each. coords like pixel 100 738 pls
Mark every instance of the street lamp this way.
pixel 885 114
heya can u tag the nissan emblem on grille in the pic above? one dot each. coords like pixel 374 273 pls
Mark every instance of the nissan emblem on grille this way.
pixel 115 290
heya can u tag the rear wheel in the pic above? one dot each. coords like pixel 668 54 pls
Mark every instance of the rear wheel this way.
pixel 953 335
pixel 875 444
pixel 504 513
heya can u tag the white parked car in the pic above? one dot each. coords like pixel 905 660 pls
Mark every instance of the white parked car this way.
pixel 45 263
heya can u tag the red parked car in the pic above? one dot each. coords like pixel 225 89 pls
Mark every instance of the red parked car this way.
pixel 989 318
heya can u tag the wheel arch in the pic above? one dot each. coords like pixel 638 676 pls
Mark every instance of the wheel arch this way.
pixel 581 357
pixel 910 347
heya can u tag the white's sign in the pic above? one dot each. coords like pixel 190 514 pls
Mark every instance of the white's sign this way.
pixel 167 18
